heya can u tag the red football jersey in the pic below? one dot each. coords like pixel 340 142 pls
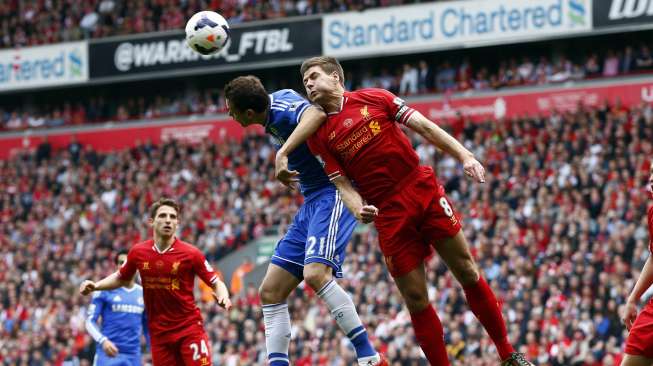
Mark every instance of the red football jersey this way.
pixel 363 142
pixel 168 280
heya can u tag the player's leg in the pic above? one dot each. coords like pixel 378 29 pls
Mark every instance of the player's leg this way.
pixel 632 360
pixel 275 288
pixel 195 349
pixel 330 229
pixel 426 324
pixel 455 253
pixel 283 275
pixel 133 360
pixel 404 252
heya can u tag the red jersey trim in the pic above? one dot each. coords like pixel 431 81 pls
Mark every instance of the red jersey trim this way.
pixel 334 175
pixel 403 115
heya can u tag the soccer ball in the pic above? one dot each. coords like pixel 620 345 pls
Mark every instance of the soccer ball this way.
pixel 207 32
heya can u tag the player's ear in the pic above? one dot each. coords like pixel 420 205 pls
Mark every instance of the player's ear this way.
pixel 150 221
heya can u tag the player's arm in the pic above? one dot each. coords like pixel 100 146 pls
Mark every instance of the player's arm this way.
pixel 111 282
pixel 205 272
pixel 94 311
pixel 311 119
pixel 120 278
pixel 440 138
pixel 354 202
pixel 644 281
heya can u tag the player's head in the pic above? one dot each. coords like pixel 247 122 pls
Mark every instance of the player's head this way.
pixel 121 258
pixel 164 217
pixel 323 78
pixel 247 100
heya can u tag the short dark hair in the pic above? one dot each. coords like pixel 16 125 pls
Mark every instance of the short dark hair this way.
pixel 327 63
pixel 119 254
pixel 247 92
pixel 163 201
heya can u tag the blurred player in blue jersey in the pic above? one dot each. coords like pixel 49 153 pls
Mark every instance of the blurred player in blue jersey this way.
pixel 123 321
pixel 313 249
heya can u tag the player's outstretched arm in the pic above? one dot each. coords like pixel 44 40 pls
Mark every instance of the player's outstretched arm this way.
pixel 221 294
pixel 110 282
pixel 354 202
pixel 311 120
pixel 644 281
pixel 440 138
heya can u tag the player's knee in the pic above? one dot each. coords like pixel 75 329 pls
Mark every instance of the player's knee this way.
pixel 416 300
pixel 467 272
pixel 317 275
pixel 268 294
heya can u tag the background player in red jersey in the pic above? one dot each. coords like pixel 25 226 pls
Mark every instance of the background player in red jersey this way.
pixel 361 142
pixel 168 267
pixel 639 345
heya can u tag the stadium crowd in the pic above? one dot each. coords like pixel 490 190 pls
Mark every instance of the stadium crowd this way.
pixel 30 23
pixel 402 79
pixel 558 229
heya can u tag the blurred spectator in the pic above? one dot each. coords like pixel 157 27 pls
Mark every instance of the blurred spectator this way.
pixel 409 80
pixel 558 228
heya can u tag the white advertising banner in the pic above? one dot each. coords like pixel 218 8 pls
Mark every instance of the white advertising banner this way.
pixel 31 67
pixel 450 24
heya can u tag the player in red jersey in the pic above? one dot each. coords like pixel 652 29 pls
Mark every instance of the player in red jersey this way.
pixel 362 142
pixel 639 345
pixel 168 267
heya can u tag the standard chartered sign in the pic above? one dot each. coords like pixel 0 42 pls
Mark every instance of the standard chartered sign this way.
pixel 450 24
pixel 30 67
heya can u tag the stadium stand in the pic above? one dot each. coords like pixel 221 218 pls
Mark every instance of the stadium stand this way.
pixel 404 79
pixel 30 23
pixel 558 229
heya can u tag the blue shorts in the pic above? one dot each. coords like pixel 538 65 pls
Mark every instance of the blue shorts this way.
pixel 121 359
pixel 319 233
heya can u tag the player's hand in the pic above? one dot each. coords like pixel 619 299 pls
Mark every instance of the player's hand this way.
pixel 629 314
pixel 86 287
pixel 288 178
pixel 367 214
pixel 474 169
pixel 109 348
pixel 221 296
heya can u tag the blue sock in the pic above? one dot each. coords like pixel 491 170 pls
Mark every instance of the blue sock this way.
pixel 358 337
pixel 278 359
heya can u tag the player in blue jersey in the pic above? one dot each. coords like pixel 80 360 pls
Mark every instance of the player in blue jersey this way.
pixel 123 321
pixel 313 249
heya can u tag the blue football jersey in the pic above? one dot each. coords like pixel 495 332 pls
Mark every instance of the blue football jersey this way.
pixel 123 318
pixel 286 108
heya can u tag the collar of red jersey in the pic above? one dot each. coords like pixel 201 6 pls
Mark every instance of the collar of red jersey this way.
pixel 169 249
pixel 343 100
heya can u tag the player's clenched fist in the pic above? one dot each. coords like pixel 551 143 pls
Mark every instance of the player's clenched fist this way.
pixel 368 214
pixel 86 287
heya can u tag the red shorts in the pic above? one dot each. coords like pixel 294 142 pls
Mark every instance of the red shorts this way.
pixel 193 349
pixel 640 338
pixel 413 219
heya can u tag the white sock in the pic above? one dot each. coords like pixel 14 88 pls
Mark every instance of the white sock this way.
pixel 277 332
pixel 344 312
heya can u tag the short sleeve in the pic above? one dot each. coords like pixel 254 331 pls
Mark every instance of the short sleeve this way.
pixel 396 107
pixel 203 268
pixel 128 269
pixel 319 149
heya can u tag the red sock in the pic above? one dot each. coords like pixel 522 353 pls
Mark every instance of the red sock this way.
pixel 430 336
pixel 485 306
